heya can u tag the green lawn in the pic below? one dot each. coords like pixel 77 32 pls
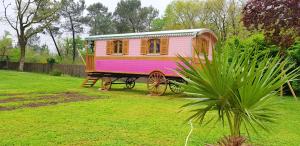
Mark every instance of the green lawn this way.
pixel 37 109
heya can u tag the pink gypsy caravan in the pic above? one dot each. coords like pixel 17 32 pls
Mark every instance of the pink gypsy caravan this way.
pixel 127 57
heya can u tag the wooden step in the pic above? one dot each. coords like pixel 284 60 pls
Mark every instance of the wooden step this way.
pixel 89 82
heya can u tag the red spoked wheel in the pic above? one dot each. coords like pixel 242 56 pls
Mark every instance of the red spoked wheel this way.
pixel 157 83
pixel 106 83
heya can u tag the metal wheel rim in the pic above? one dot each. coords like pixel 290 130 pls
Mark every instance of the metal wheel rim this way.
pixel 130 83
pixel 157 83
pixel 175 88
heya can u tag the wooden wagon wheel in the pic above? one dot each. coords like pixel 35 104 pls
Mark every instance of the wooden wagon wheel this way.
pixel 130 83
pixel 175 88
pixel 106 83
pixel 157 83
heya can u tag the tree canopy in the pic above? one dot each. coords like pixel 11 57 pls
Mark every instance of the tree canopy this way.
pixel 72 12
pixel 278 19
pixel 222 16
pixel 184 14
pixel 130 16
pixel 99 19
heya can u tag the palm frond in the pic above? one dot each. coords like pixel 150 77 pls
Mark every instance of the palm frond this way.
pixel 240 87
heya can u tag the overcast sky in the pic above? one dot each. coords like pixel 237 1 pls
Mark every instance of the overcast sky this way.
pixel 111 4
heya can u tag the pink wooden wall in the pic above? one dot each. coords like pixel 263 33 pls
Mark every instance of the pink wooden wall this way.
pixel 136 66
pixel 100 48
pixel 177 45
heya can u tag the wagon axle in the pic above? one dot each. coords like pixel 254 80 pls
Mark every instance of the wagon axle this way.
pixel 157 82
pixel 107 82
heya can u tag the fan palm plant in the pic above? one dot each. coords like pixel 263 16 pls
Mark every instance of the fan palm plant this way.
pixel 240 86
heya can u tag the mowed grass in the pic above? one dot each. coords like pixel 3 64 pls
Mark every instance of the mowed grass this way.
pixel 39 109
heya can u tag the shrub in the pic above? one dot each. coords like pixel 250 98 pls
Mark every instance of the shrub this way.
pixel 51 61
pixel 255 41
pixel 55 72
pixel 294 55
pixel 296 86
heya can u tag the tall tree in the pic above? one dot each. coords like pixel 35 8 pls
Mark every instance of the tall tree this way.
pixel 222 16
pixel 184 14
pixel 148 14
pixel 132 17
pixel 31 17
pixel 72 12
pixel 234 16
pixel 65 45
pixel 99 19
pixel 218 15
pixel 279 20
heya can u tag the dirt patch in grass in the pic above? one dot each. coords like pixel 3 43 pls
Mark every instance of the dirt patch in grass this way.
pixel 21 94
pixel 13 99
pixel 46 100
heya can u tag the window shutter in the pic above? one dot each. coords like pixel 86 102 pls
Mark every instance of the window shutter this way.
pixel 109 47
pixel 144 46
pixel 164 46
pixel 125 47
pixel 201 45
pixel 207 47
pixel 195 45
pixel 204 46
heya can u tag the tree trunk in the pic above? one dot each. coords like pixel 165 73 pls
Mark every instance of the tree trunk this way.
pixel 233 12
pixel 236 125
pixel 73 38
pixel 74 45
pixel 22 56
pixel 55 44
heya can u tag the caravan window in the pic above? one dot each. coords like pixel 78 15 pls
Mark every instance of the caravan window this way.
pixel 117 46
pixel 154 46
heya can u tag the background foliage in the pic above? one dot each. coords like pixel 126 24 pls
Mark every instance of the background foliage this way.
pixel 270 26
